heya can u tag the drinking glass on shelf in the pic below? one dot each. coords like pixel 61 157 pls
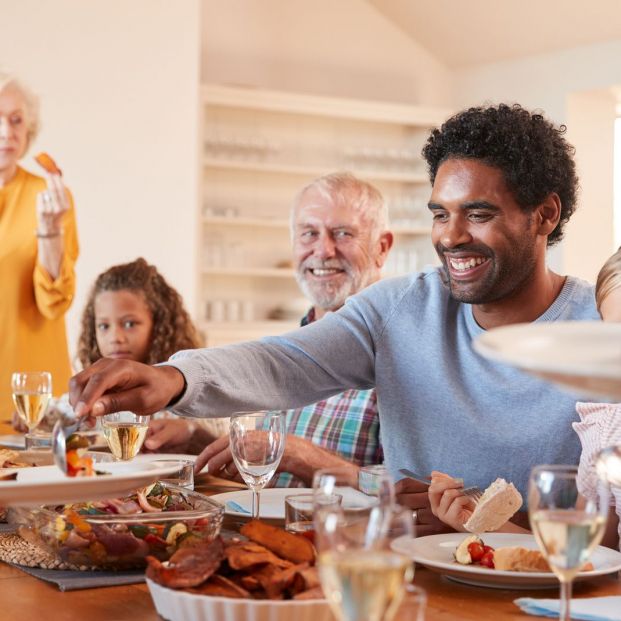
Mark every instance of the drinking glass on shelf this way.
pixel 31 391
pixel 257 443
pixel 567 527
pixel 124 432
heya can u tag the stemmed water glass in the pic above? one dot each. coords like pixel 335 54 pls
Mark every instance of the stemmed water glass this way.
pixel 257 443
pixel 31 391
pixel 567 527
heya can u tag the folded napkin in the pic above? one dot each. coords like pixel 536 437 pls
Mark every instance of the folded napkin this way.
pixel 72 580
pixel 587 609
pixel 231 505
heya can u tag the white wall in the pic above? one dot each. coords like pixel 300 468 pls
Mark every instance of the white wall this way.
pixel 119 85
pixel 549 82
pixel 344 48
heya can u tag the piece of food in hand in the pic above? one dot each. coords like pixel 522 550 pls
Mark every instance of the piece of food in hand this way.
pixel 78 463
pixel 44 160
pixel 294 548
pixel 499 503
pixel 463 553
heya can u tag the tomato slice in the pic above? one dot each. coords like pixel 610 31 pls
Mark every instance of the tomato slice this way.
pixel 487 560
pixel 476 551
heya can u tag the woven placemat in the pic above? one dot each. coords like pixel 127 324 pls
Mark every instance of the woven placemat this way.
pixel 14 549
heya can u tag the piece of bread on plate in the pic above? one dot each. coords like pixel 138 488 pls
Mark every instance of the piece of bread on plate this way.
pixel 499 502
pixel 519 559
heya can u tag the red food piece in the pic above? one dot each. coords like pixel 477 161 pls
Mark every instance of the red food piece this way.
pixel 487 549
pixel 43 159
pixel 487 560
pixel 476 551
pixel 187 567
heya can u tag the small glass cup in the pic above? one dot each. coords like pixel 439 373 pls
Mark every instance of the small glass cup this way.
pixel 183 476
pixel 38 441
pixel 125 432
pixel 413 604
pixel 299 510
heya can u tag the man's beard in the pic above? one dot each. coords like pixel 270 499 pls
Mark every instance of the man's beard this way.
pixel 329 296
pixel 503 277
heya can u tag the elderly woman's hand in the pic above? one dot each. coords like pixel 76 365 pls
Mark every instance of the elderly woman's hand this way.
pixel 51 206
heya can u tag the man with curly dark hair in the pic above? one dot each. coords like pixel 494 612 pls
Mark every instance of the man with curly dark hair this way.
pixel 503 186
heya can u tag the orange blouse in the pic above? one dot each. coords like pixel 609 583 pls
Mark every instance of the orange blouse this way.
pixel 32 305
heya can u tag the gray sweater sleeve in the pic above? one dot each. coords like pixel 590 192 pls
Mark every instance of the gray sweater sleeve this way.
pixel 298 368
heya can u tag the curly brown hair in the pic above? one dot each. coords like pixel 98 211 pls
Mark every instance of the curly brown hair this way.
pixel 173 329
pixel 531 152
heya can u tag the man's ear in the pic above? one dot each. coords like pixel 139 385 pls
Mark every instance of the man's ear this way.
pixel 385 242
pixel 548 214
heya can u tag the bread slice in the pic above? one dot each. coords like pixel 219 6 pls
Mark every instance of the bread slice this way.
pixel 519 559
pixel 499 502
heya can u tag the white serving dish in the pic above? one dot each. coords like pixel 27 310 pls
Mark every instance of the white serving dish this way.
pixel 175 605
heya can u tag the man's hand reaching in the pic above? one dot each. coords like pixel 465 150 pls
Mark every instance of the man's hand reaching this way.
pixel 117 385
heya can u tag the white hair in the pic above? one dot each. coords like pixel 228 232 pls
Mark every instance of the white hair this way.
pixel 343 187
pixel 31 102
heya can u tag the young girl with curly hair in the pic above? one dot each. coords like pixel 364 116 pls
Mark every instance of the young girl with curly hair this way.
pixel 132 312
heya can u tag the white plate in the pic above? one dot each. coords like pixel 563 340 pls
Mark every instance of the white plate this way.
pixel 177 605
pixel 48 485
pixel 584 356
pixel 272 501
pixel 436 553
pixel 13 440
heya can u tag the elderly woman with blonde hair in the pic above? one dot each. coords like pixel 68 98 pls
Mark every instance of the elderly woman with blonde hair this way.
pixel 38 251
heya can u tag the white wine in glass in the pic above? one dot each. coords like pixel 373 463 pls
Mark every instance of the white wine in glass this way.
pixel 31 391
pixel 257 443
pixel 567 527
pixel 125 432
pixel 364 585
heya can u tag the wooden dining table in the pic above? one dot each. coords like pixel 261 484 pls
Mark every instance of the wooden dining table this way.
pixel 26 598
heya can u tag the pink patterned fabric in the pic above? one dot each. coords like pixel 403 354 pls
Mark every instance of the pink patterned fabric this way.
pixel 599 427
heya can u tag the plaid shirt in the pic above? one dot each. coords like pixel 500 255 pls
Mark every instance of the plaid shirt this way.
pixel 346 424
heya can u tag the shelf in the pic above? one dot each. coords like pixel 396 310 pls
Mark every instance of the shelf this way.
pixel 316 105
pixel 256 272
pixel 276 223
pixel 311 171
pixel 226 332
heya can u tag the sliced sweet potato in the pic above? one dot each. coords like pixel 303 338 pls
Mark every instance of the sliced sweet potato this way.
pixel 44 160
pixel 281 581
pixel 304 579
pixel 294 548
pixel 247 554
pixel 219 586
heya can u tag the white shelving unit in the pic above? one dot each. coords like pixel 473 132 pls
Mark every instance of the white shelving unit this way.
pixel 259 149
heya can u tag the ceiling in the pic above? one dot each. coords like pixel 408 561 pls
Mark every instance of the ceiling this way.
pixel 462 33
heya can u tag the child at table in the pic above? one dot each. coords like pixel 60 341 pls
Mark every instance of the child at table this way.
pixel 133 313
pixel 600 423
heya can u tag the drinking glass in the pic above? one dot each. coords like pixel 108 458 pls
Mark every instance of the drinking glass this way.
pixel 124 432
pixel 566 526
pixel 362 579
pixel 31 392
pixel 299 511
pixel 257 442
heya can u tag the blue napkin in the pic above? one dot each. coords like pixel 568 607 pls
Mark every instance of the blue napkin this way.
pixel 231 505
pixel 587 609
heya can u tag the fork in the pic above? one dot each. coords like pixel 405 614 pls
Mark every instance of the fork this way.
pixel 472 492
pixel 421 478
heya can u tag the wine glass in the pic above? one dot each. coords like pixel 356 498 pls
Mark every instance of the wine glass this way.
pixel 566 526
pixel 124 432
pixel 363 580
pixel 31 391
pixel 257 443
